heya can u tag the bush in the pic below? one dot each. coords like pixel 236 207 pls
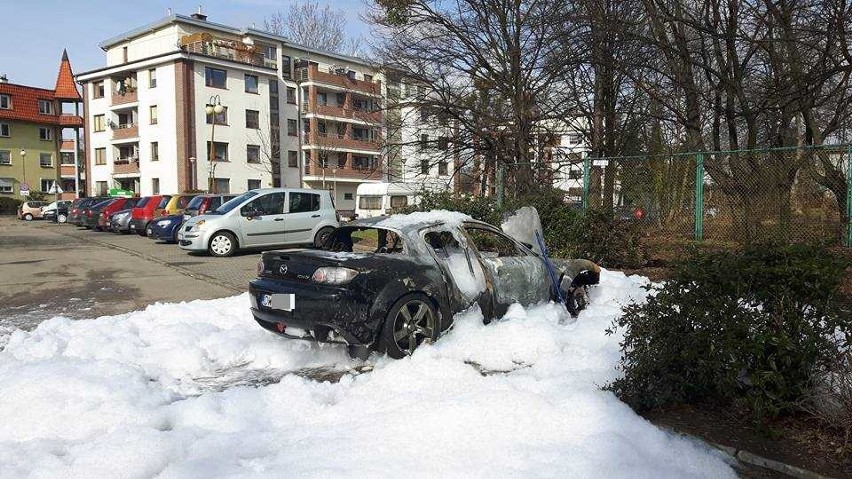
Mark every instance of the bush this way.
pixel 9 206
pixel 568 233
pixel 749 326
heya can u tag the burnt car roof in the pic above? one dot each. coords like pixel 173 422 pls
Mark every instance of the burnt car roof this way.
pixel 411 223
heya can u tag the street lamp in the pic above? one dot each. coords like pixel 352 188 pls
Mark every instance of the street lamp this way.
pixel 24 163
pixel 213 108
pixel 192 174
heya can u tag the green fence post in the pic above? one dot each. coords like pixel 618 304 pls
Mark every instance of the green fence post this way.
pixel 501 184
pixel 586 172
pixel 699 196
pixel 848 196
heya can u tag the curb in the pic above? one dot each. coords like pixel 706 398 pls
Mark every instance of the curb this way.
pixel 752 459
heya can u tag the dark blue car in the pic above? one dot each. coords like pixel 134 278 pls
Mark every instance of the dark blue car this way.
pixel 165 228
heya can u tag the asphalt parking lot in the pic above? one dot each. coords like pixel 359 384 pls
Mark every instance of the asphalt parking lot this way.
pixel 47 269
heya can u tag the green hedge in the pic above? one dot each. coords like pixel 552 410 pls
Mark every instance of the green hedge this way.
pixel 9 206
pixel 748 326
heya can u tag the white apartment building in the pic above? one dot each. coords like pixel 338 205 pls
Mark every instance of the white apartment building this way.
pixel 287 115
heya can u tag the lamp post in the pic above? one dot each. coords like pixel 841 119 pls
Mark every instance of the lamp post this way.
pixel 192 174
pixel 24 164
pixel 213 108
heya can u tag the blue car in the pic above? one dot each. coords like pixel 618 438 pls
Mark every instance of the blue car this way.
pixel 165 228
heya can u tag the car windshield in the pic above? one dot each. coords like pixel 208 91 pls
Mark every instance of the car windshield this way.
pixel 102 204
pixel 143 202
pixel 164 201
pixel 364 240
pixel 233 203
pixel 195 203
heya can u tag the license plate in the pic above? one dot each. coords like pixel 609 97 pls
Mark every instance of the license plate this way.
pixel 284 302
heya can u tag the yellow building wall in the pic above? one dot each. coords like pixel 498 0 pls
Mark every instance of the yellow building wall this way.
pixel 26 136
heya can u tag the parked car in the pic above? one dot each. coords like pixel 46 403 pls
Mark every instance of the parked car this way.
pixel 58 214
pixel 166 228
pixel 89 215
pixel 267 217
pixel 175 206
pixel 78 205
pixel 389 284
pixel 51 208
pixel 143 212
pixel 101 212
pixel 30 210
pixel 119 222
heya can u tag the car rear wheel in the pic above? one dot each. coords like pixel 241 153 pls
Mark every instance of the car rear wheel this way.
pixel 411 321
pixel 222 244
pixel 322 235
pixel 61 218
pixel 28 217
pixel 149 231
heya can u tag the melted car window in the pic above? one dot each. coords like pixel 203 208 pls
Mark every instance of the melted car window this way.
pixel 365 240
pixel 492 245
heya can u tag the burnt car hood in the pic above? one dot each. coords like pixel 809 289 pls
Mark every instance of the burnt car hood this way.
pixel 523 225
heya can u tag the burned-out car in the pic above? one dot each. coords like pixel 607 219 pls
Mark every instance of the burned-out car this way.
pixel 389 284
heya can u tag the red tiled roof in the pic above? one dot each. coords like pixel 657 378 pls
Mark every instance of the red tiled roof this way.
pixel 25 104
pixel 66 89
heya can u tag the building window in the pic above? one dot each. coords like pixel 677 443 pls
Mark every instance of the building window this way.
pixel 66 158
pixel 286 67
pixel 424 142
pixel 221 118
pixel 575 174
pixel 322 98
pixel 152 111
pixel 251 83
pixel 424 167
pixel 368 77
pixel 5 130
pixel 274 119
pixel 442 167
pixel 155 151
pixel 252 119
pixel 45 107
pixel 348 196
pixel 98 123
pixel 221 153
pixel 270 52
pixel 152 78
pixel 273 87
pixel 291 95
pixel 291 127
pixel 44 184
pixel 45 134
pixel 45 160
pixel 100 156
pixel 98 89
pixel 292 159
pixel 155 186
pixel 7 185
pixel 223 185
pixel 5 157
pixel 215 77
pixel 253 184
pixel 443 143
pixel 253 153
pixel 101 188
pixel 5 102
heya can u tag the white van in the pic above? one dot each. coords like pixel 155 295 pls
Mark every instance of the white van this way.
pixel 379 199
pixel 269 217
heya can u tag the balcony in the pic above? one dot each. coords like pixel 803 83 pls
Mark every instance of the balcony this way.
pixel 340 112
pixel 233 50
pixel 66 171
pixel 343 172
pixel 129 96
pixel 125 131
pixel 70 121
pixel 336 141
pixel 125 166
pixel 311 73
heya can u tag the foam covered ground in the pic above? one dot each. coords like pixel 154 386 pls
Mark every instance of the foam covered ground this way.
pixel 198 390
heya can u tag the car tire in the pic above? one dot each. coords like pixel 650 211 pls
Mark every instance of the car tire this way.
pixel 175 235
pixel 149 230
pixel 322 235
pixel 61 218
pixel 412 320
pixel 141 231
pixel 28 217
pixel 222 244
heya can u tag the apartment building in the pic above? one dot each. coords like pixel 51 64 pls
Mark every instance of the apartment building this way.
pixel 40 132
pixel 187 104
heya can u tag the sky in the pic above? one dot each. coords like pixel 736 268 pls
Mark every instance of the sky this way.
pixel 42 28
pixel 198 389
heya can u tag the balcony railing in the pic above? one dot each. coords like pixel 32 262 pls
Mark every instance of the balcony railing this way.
pixel 228 50
pixel 125 131
pixel 340 112
pixel 335 140
pixel 311 73
pixel 123 166
pixel 128 96
pixel 67 120
pixel 330 173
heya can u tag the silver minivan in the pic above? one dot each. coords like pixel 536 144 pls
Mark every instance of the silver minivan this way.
pixel 269 217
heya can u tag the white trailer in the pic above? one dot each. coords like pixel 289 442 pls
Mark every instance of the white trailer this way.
pixel 378 199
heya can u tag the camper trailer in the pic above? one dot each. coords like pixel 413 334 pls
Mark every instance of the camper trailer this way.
pixel 378 199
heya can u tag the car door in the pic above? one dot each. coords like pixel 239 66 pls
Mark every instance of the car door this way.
pixel 303 214
pixel 517 275
pixel 262 220
pixel 465 280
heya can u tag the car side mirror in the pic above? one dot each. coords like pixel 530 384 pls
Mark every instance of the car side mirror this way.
pixel 250 213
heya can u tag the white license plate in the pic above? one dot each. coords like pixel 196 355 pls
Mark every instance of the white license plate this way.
pixel 284 302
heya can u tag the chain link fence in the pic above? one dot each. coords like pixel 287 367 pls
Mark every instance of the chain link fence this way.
pixel 787 195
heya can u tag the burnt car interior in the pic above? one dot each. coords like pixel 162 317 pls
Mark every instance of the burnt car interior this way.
pixel 365 240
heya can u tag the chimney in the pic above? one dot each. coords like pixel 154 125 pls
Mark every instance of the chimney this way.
pixel 198 15
pixel 168 12
pixel 3 78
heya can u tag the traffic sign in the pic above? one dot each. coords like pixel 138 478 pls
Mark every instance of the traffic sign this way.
pixel 55 189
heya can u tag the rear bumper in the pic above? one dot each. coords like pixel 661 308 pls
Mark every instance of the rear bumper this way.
pixel 329 314
pixel 139 224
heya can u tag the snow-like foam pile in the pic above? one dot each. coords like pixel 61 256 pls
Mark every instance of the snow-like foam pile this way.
pixel 199 390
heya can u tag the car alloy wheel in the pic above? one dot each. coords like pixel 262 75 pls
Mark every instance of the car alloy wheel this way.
pixel 411 321
pixel 222 244
pixel 61 218
pixel 149 231
pixel 28 217
pixel 322 235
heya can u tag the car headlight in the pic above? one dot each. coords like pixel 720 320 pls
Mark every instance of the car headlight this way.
pixel 199 225
pixel 163 223
pixel 333 275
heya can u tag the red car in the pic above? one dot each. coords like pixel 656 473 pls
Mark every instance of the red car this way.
pixel 113 207
pixel 143 212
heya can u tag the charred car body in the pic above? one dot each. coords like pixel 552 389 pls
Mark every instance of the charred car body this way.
pixel 389 284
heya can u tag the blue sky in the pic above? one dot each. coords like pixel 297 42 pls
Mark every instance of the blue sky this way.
pixel 40 29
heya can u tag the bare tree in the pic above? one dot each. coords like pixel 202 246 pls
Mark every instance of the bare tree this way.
pixel 310 24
